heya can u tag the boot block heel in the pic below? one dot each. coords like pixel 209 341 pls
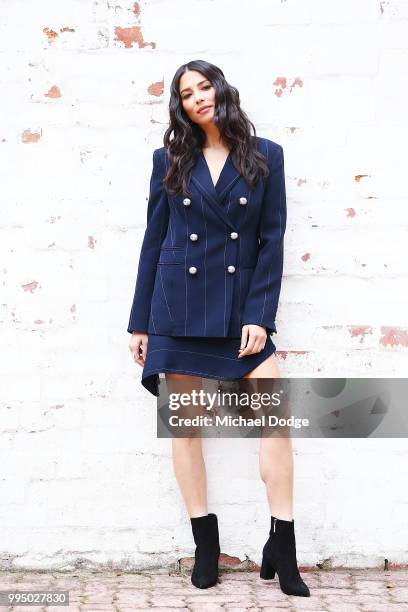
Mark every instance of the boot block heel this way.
pixel 267 571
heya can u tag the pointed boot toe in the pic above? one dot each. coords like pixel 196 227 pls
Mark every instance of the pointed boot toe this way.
pixel 279 556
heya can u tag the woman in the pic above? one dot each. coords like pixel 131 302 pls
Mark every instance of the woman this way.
pixel 208 286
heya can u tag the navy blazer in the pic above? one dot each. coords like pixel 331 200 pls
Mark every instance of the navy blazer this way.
pixel 212 262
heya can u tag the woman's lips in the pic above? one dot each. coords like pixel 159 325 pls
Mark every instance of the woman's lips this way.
pixel 204 109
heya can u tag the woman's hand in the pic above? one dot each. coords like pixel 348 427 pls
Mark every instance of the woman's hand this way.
pixel 138 347
pixel 253 339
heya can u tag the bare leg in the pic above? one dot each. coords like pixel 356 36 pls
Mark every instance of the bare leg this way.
pixel 276 469
pixel 275 457
pixel 188 460
pixel 189 468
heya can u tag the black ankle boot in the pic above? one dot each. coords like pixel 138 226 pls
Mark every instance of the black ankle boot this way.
pixel 205 532
pixel 279 555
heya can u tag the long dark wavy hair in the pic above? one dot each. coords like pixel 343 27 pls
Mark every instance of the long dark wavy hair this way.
pixel 184 139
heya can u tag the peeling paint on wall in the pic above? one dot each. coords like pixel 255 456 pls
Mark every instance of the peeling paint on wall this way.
pixel 394 336
pixel 132 35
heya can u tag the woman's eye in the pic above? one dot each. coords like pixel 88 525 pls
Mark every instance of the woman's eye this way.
pixel 188 95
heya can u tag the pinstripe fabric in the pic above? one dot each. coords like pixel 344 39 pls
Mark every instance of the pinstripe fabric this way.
pixel 168 299
pixel 204 357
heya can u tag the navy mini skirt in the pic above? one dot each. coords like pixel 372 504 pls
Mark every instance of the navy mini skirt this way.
pixel 198 356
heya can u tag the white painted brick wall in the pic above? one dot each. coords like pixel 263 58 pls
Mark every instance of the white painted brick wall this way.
pixel 83 478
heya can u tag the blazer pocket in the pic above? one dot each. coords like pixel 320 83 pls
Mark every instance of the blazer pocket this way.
pixel 171 256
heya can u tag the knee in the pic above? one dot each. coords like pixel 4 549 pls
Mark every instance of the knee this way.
pixel 276 471
pixel 263 474
pixel 186 444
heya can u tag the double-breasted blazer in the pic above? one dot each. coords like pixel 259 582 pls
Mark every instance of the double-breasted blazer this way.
pixel 212 262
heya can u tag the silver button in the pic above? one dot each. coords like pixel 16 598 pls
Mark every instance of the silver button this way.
pixel 186 201
pixel 193 237
pixel 234 235
pixel 231 269
pixel 192 270
pixel 243 201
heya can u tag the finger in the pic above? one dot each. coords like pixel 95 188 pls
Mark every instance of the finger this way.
pixel 244 337
pixel 144 349
pixel 249 347
pixel 139 353
pixel 259 345
pixel 244 340
pixel 255 348
pixel 138 359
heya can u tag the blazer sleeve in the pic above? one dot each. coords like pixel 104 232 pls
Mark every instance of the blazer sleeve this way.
pixel 262 299
pixel 156 228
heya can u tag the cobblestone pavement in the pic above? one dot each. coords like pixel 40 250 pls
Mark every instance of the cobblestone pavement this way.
pixel 331 591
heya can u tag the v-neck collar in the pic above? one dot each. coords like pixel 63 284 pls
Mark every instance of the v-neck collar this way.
pixel 215 195
pixel 222 169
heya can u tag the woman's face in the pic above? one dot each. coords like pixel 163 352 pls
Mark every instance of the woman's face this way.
pixel 197 92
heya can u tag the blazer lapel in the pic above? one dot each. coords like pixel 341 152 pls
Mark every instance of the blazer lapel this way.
pixel 201 177
pixel 228 177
